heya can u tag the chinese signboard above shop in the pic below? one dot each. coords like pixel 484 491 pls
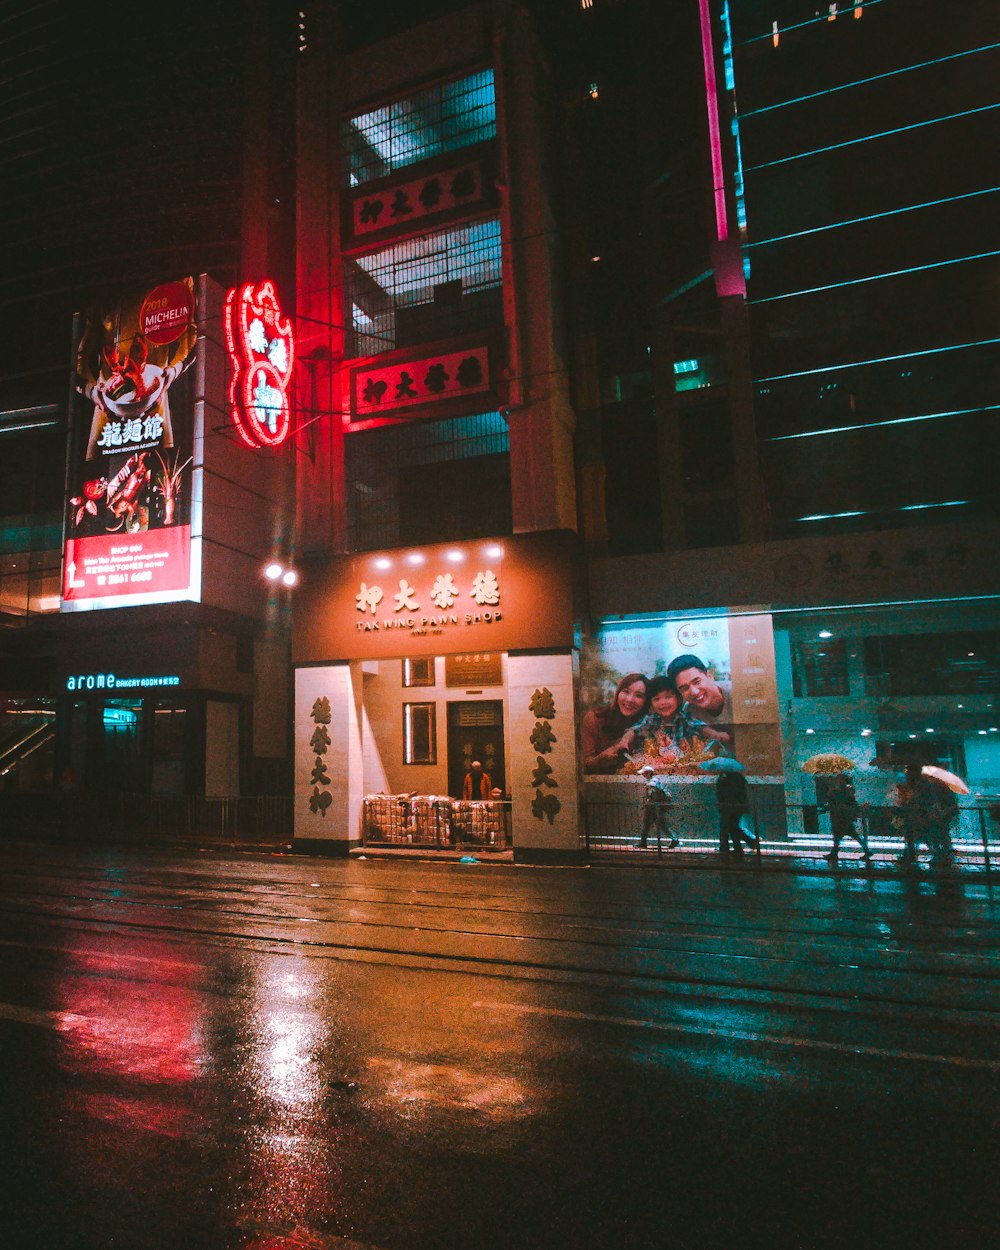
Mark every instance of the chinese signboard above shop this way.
pixel 473 598
pixel 386 388
pixel 401 204
pixel 131 453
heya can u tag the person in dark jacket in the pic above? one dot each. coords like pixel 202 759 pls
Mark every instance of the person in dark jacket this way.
pixel 733 797
pixel 841 802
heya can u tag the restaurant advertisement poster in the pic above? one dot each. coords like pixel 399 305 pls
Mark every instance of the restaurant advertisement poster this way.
pixel 131 472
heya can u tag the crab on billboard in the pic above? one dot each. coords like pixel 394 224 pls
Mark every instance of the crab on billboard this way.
pixel 132 468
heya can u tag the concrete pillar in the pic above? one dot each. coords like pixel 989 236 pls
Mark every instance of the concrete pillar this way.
pixel 329 773
pixel 542 731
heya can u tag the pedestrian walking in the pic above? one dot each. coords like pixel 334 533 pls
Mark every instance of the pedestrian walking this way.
pixel 656 805
pixel 733 797
pixel 840 800
pixel 927 809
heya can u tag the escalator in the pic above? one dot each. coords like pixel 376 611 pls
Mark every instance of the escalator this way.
pixel 25 736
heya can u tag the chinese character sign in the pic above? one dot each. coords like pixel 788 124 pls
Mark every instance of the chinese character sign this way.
pixel 261 355
pixel 438 593
pixel 127 524
pixel 413 201
pixel 409 383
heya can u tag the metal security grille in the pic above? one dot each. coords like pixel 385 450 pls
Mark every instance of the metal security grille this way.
pixel 453 474
pixel 441 118
pixel 418 290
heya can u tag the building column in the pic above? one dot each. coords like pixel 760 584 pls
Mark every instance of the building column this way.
pixel 329 774
pixel 544 771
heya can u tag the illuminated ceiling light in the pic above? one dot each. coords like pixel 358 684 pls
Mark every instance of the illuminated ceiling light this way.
pixel 982 733
pixel 595 259
pixel 383 562
pixel 948 503
pixel 825 633
pixel 415 557
pixel 494 552
pixel 273 571
pixel 289 577
pixel 913 735
pixel 928 731
pixel 993 729
pixel 828 516
pixel 961 705
pixel 810 731
pixel 866 733
pixel 455 556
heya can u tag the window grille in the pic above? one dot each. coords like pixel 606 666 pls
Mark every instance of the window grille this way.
pixel 452 475
pixel 439 119
pixel 419 290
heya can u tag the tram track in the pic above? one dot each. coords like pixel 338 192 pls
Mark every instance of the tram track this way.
pixel 777 989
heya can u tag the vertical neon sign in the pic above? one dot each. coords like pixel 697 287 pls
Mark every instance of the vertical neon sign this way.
pixel 261 352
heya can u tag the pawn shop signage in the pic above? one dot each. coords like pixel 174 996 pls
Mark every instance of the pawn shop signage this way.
pixel 261 348
pixel 475 596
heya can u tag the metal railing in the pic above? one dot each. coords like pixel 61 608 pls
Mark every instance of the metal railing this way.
pixel 788 831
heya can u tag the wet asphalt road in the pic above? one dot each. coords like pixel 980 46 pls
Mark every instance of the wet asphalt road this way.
pixel 267 1051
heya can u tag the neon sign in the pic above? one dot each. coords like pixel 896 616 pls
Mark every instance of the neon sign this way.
pixel 108 681
pixel 262 351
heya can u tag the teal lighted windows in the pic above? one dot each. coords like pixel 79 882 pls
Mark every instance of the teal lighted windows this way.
pixel 443 118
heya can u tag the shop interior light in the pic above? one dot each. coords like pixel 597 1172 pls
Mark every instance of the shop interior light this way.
pixel 415 557
pixel 928 731
pixel 273 571
pixel 982 733
pixel 456 556
pixel 383 563
pixel 494 552
pixel 866 733
pixel 810 731
pixel 289 577
pixel 825 633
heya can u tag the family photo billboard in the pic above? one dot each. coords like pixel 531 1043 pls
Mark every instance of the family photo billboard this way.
pixel 131 469
pixel 707 686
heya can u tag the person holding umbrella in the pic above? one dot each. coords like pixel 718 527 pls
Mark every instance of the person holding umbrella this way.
pixel 841 802
pixel 928 807
pixel 732 794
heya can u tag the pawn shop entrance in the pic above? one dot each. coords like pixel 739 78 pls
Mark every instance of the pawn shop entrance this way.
pixel 475 732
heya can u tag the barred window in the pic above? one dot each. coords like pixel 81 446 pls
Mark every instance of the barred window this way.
pixel 428 481
pixel 441 118
pixel 419 290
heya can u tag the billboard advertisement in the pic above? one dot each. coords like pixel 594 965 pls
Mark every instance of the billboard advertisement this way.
pixel 674 694
pixel 131 473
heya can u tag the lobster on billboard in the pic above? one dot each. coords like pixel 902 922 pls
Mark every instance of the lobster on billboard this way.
pixel 130 474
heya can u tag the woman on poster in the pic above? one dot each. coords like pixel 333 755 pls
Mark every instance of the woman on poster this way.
pixel 605 732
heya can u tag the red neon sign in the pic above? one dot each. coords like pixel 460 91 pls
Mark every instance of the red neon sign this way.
pixel 262 352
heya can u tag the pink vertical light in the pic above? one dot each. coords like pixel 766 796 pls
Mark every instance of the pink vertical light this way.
pixel 714 136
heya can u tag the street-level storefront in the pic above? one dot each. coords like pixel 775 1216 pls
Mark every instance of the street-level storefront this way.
pixel 864 655
pixel 158 671
pixel 411 665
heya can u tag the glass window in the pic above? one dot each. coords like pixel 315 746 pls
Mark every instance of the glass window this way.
pixel 428 481
pixel 423 289
pixel 442 118
pixel 419 733
pixel 419 671
pixel 819 668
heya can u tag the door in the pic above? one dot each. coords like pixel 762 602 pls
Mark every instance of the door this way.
pixel 475 732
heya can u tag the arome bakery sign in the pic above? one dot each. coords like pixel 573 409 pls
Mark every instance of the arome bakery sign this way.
pixel 473 597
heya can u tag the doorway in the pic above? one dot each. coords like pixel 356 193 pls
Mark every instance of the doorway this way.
pixel 475 732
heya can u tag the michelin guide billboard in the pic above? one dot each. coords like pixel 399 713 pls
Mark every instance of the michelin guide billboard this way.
pixel 133 472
